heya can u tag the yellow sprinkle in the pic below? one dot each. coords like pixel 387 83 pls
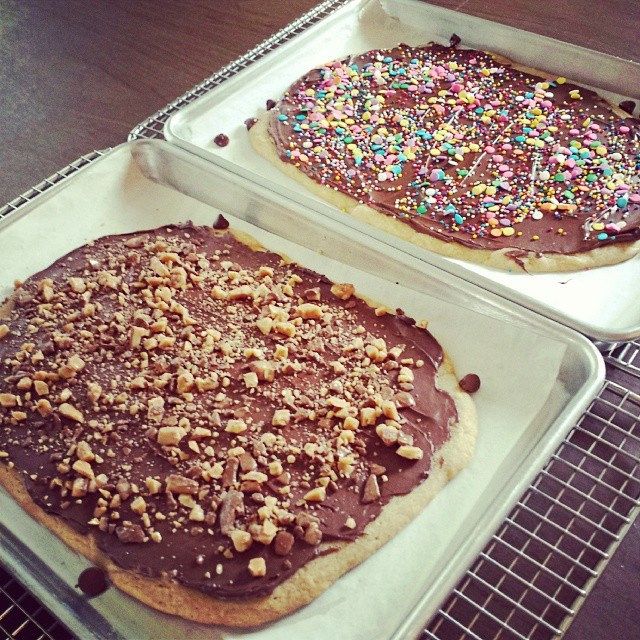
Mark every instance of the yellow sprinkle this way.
pixel 491 190
pixel 587 122
pixel 536 111
pixel 496 231
pixel 508 231
pixel 575 94
pixel 477 189
pixel 485 119
pixel 365 116
pixel 561 80
pixel 601 151
pixel 310 92
pixel 485 72
pixel 597 226
pixel 544 85
pixel 474 147
pixel 535 237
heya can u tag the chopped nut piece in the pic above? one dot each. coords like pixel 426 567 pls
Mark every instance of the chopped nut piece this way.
pixel 153 485
pixel 155 409
pixel 170 436
pixel 236 426
pixel 371 491
pixel 182 485
pixel 232 504
pixel 313 535
pixel 83 468
pixel 281 417
pixel 257 567
pixel 24 384
pixel 285 328
pixel 69 411
pixel 275 468
pixel 409 452
pixel 196 514
pixel 41 388
pixel 138 505
pixel 185 382
pixel 4 331
pixel 8 400
pixel 83 451
pixel 79 488
pixel 265 325
pixel 309 311
pixel 317 494
pixel 350 523
pixel 390 410
pixel 256 476
pixel 77 284
pixel 76 363
pixel 283 543
pixel 351 423
pixel 94 391
pixel 387 433
pixel 250 380
pixel 313 295
pixel 343 291
pixel 19 416
pixel 281 352
pixel 44 408
pixel 241 540
pixel 367 416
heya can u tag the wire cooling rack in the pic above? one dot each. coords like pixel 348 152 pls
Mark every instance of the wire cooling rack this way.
pixel 534 574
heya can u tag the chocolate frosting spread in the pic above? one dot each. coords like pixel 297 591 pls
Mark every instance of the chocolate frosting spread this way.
pixel 467 149
pixel 201 407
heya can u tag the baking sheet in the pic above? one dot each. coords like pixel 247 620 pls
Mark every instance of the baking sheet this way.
pixel 537 379
pixel 603 303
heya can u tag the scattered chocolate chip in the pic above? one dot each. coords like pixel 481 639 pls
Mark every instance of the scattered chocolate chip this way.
pixel 221 223
pixel 628 106
pixel 92 582
pixel 249 122
pixel 470 383
pixel 454 40
pixel 221 140
pixel 270 104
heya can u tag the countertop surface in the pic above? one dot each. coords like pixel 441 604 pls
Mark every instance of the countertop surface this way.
pixel 78 75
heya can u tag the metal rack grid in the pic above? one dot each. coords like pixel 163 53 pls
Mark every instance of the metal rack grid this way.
pixel 532 577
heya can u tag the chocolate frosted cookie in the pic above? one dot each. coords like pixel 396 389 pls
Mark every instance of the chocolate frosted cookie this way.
pixel 465 154
pixel 223 432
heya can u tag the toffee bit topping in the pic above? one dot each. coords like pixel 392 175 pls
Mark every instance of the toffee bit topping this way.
pixel 194 402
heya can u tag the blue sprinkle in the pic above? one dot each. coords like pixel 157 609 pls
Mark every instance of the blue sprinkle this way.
pixel 458 218
pixel 387 59
pixel 520 138
pixel 622 202
pixel 402 157
pixel 608 171
pixel 301 117
pixel 282 117
pixel 602 236
pixel 479 110
pixel 395 169
pixel 450 208
pixel 297 127
pixel 414 61
pixel 528 94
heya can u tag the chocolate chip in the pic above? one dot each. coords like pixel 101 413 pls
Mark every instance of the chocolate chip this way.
pixel 270 104
pixel 92 582
pixel 221 223
pixel 455 40
pixel 470 383
pixel 221 140
pixel 249 122
pixel 628 106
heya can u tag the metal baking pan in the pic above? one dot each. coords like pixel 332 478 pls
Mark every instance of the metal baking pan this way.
pixel 538 377
pixel 603 303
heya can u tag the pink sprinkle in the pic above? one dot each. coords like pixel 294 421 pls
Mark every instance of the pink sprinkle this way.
pixel 570 163
pixel 456 87
pixel 507 146
pixel 612 227
pixel 497 158
pixel 624 129
pixel 434 175
pixel 574 132
pixel 489 149
pixel 592 136
pixel 473 60
pixel 503 167
pixel 547 104
pixel 595 126
pixel 490 215
pixel 505 222
pixel 507 174
pixel 413 87
pixel 634 197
